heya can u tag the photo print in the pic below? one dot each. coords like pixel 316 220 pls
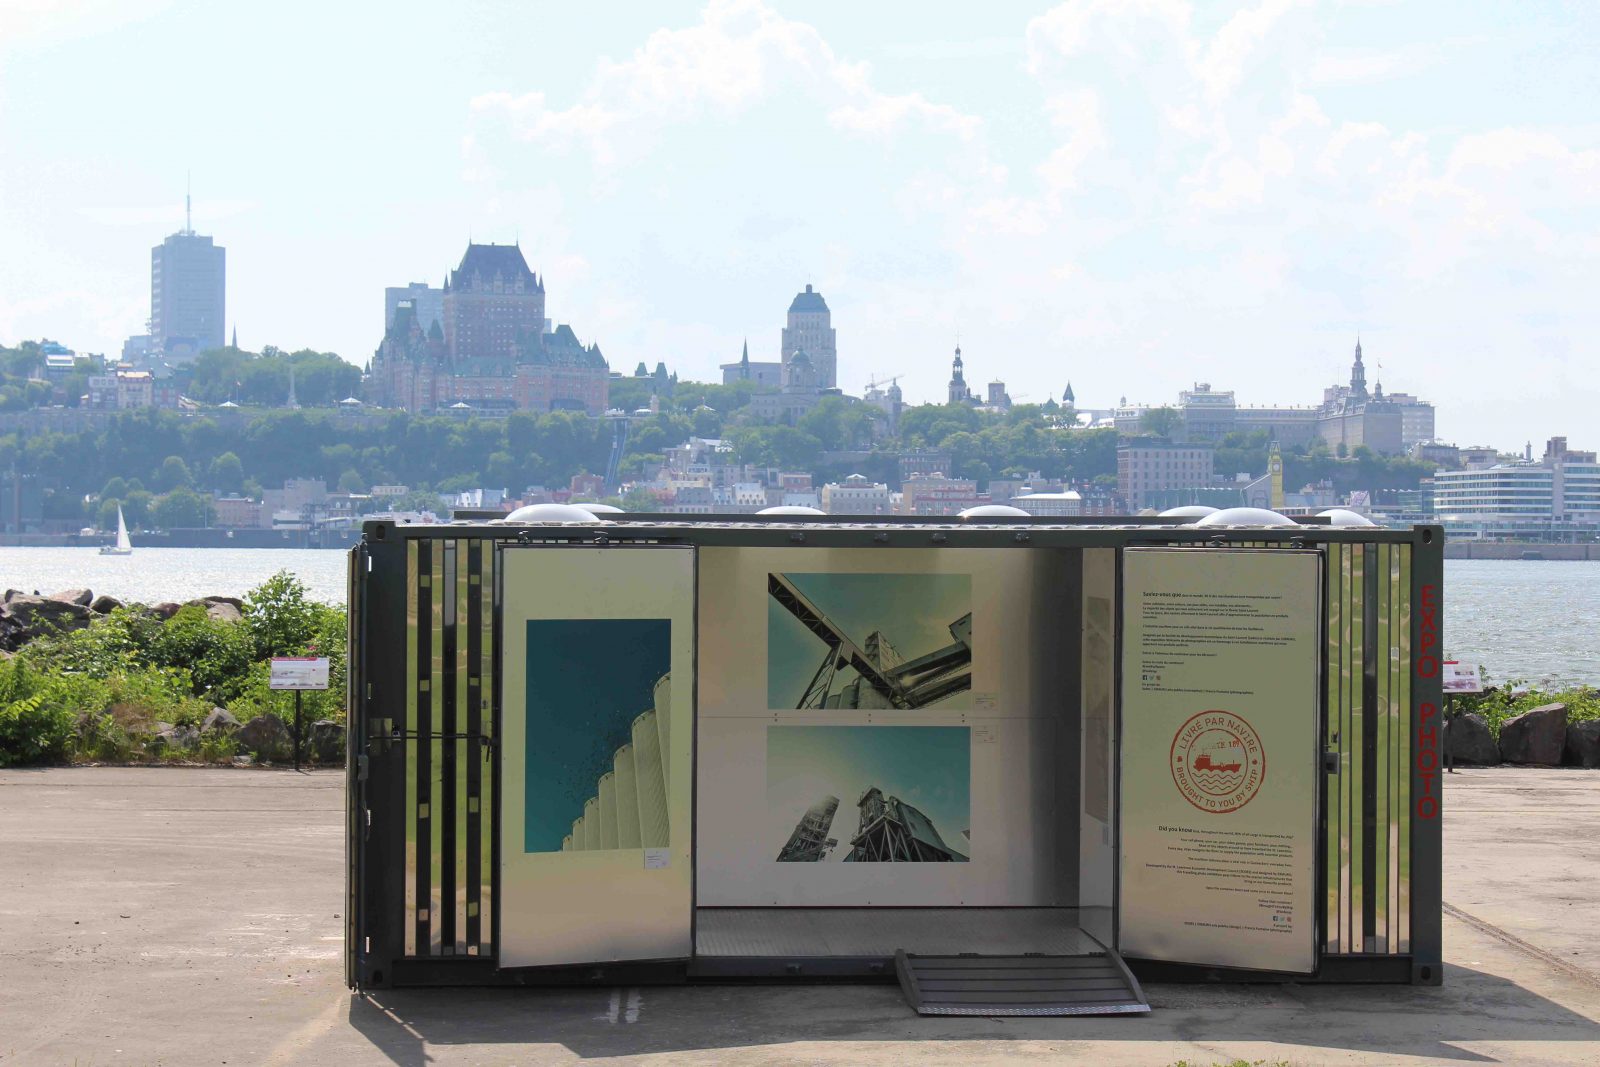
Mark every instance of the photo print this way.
pixel 869 641
pixel 869 794
pixel 599 721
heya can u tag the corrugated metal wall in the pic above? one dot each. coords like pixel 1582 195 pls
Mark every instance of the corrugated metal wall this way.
pixel 1368 802
pixel 448 745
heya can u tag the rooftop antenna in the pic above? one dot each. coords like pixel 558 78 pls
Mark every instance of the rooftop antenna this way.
pixel 188 203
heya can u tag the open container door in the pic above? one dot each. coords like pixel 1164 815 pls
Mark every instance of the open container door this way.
pixel 1220 768
pixel 597 661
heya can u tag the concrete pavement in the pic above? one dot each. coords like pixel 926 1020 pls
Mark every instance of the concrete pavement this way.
pixel 172 916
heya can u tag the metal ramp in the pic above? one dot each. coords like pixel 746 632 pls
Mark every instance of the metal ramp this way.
pixel 1031 984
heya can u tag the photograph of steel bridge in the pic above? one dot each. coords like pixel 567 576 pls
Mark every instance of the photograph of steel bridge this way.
pixel 869 640
pixel 599 721
pixel 906 782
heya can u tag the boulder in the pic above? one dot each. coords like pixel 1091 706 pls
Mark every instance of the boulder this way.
pixel 81 597
pixel 1583 744
pixel 1469 741
pixel 219 721
pixel 11 593
pixel 221 608
pixel 1535 738
pixel 38 615
pixel 104 605
pixel 165 610
pixel 327 741
pixel 13 635
pixel 224 612
pixel 174 737
pixel 266 737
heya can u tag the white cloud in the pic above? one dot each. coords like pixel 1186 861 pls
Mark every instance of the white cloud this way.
pixel 741 54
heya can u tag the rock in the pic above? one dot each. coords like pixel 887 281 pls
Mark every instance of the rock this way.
pixel 219 721
pixel 1583 744
pixel 11 593
pixel 174 737
pixel 224 612
pixel 1535 738
pixel 267 737
pixel 327 741
pixel 165 610
pixel 13 635
pixel 104 605
pixel 221 608
pixel 39 615
pixel 1469 741
pixel 81 597
pixel 244 761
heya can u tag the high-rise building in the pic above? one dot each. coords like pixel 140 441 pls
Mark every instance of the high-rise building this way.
pixel 188 294
pixel 810 330
pixel 427 303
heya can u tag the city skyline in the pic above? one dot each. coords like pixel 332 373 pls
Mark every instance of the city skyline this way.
pixel 1304 176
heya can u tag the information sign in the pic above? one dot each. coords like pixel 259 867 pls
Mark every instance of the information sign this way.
pixel 1219 757
pixel 1459 677
pixel 298 672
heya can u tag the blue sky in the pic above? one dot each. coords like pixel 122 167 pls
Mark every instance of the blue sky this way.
pixel 1131 194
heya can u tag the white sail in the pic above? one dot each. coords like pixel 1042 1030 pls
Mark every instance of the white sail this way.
pixel 123 542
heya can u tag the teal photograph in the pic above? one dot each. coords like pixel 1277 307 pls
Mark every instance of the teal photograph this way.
pixel 874 641
pixel 869 794
pixel 599 720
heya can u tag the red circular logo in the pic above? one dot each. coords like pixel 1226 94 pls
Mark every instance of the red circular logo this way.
pixel 1217 762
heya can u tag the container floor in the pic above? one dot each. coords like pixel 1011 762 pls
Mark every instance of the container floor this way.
pixel 879 932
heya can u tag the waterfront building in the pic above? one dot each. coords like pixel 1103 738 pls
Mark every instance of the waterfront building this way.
pixel 1145 466
pixel 1556 498
pixel 1066 503
pixel 188 294
pixel 937 494
pixel 856 495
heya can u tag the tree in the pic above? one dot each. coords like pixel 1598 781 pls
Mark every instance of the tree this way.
pixel 181 508
pixel 281 619
pixel 1160 421
pixel 226 473
pixel 351 482
pixel 174 474
pixel 639 499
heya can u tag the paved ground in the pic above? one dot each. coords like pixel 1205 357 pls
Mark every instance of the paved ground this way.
pixel 189 916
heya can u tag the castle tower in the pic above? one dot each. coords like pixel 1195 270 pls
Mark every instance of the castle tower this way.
pixel 1358 376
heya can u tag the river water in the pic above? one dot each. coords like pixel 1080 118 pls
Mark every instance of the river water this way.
pixel 1520 619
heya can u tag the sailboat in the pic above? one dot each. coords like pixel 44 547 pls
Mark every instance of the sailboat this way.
pixel 124 546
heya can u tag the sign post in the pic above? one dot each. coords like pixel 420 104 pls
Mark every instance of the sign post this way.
pixel 297 674
pixel 1457 677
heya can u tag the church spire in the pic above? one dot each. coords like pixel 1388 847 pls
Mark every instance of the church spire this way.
pixel 1358 374
pixel 1067 396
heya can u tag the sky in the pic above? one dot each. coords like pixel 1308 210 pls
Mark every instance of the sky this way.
pixel 929 767
pixel 1131 195
pixel 914 611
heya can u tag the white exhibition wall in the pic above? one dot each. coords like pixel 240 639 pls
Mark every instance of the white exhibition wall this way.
pixel 1021 805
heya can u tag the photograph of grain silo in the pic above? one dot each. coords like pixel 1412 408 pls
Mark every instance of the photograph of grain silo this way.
pixel 869 641
pixel 599 720
pixel 909 787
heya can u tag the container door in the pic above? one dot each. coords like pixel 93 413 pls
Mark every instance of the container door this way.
pixel 597 658
pixel 1220 769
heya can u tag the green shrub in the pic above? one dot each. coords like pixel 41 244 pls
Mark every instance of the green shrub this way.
pixel 1497 703
pixel 216 654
